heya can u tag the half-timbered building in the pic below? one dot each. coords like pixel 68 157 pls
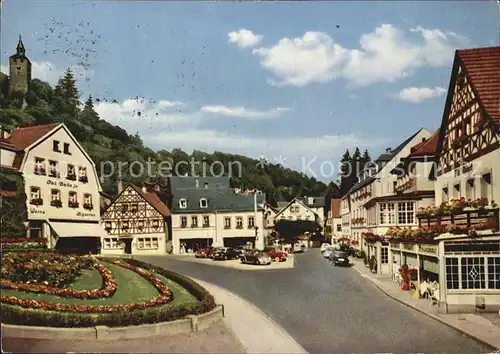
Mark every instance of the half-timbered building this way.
pixel 469 141
pixel 468 173
pixel 136 222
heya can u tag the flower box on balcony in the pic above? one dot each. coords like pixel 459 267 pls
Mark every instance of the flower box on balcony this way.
pixel 40 171
pixel 71 177
pixel 88 206
pixel 53 173
pixel 36 201
pixel 83 179
pixel 73 204
pixel 56 203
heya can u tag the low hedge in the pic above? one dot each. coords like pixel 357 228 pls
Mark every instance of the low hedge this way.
pixel 170 312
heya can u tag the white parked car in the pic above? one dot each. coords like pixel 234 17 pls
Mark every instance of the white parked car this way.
pixel 328 251
pixel 323 247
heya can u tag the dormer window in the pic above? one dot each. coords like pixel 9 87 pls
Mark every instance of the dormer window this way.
pixel 203 203
pixel 183 203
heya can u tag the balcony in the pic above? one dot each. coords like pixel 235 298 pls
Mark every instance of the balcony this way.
pixel 405 186
pixel 478 219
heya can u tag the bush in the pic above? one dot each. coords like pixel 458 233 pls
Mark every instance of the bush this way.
pixel 35 317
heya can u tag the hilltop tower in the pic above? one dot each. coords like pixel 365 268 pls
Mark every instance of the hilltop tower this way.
pixel 19 70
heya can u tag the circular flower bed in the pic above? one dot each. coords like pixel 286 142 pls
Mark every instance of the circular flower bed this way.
pixel 38 288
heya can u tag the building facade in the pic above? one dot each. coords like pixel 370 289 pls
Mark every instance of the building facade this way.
pixel 61 182
pixel 136 222
pixel 376 203
pixel 207 212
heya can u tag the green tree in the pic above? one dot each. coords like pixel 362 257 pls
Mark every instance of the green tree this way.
pixel 14 212
pixel 345 173
pixel 88 115
pixel 65 98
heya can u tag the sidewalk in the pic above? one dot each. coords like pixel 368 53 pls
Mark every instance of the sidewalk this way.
pixel 483 328
pixel 256 331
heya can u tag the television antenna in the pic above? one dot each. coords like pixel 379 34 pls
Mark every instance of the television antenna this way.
pixel 497 3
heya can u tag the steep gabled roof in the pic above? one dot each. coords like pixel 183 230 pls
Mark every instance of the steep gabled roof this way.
pixel 21 138
pixel 427 147
pixel 153 200
pixel 482 65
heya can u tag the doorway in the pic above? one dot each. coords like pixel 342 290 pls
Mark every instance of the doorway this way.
pixel 128 246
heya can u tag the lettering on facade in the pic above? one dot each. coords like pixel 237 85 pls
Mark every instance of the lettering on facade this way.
pixel 62 184
pixel 36 211
pixel 428 249
pixel 84 214
pixel 408 247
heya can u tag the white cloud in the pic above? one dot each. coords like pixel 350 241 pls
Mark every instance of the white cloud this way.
pixel 171 128
pixel 419 94
pixel 385 55
pixel 244 38
pixel 244 113
pixel 50 73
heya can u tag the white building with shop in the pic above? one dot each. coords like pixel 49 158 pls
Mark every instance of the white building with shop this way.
pixel 61 182
pixel 207 212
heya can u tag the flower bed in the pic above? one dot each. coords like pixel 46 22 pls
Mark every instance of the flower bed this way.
pixel 370 237
pixel 456 206
pixel 108 288
pixel 44 267
pixel 165 297
pixel 145 312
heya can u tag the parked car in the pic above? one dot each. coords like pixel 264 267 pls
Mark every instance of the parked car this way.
pixel 276 255
pixel 323 247
pixel 298 247
pixel 328 251
pixel 255 257
pixel 204 252
pixel 339 258
pixel 225 253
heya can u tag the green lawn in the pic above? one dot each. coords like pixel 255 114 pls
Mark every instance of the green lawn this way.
pixel 90 279
pixel 131 288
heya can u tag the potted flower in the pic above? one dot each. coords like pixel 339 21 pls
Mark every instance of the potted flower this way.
pixel 404 272
pixel 83 179
pixel 36 201
pixel 73 204
pixel 56 203
pixel 88 206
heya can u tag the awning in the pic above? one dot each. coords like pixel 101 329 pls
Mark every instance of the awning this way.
pixel 69 229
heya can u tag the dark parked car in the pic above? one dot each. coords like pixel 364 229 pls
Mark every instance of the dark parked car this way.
pixel 255 257
pixel 339 258
pixel 225 253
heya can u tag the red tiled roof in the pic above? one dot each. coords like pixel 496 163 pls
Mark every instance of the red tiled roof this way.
pixel 427 147
pixel 153 199
pixel 483 68
pixel 335 207
pixel 21 138
pixel 8 193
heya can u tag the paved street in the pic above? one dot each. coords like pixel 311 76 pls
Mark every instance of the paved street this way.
pixel 331 310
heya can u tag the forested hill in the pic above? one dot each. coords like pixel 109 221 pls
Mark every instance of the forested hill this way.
pixel 106 142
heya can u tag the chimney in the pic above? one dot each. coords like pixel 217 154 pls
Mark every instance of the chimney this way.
pixel 119 185
pixel 4 134
pixel 388 150
pixel 144 189
pixel 197 183
pixel 310 200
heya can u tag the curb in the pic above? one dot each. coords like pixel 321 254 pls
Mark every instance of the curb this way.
pixel 287 343
pixel 192 323
pixel 437 318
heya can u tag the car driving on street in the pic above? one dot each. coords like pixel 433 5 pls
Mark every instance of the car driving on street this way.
pixel 328 251
pixel 339 258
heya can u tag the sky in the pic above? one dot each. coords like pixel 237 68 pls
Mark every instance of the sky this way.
pixel 296 83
